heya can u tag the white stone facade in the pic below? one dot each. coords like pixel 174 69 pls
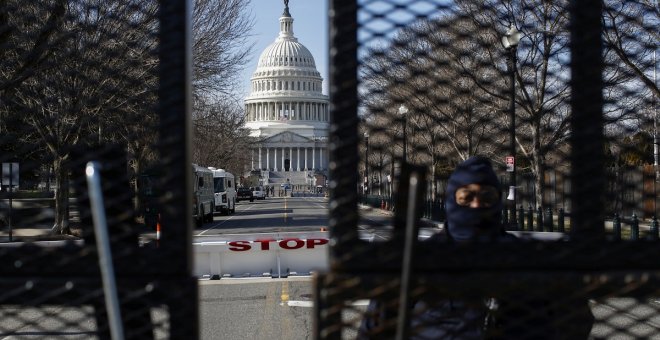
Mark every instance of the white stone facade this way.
pixel 286 110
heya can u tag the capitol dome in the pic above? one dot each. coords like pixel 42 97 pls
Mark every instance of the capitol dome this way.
pixel 286 65
pixel 286 51
pixel 286 112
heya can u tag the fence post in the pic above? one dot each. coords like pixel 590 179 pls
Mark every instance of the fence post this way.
pixel 617 227
pixel 530 219
pixel 653 233
pixel 634 228
pixel 539 218
pixel 548 220
pixel 560 220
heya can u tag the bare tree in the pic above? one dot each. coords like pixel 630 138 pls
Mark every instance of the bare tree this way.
pixel 220 52
pixel 221 139
pixel 448 117
pixel 220 29
pixel 631 34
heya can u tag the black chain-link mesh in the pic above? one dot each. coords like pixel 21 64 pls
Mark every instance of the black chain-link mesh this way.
pixel 573 101
pixel 104 81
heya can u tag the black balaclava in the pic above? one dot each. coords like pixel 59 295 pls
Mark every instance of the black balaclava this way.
pixel 465 223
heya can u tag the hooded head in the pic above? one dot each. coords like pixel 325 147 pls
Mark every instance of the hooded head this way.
pixel 465 222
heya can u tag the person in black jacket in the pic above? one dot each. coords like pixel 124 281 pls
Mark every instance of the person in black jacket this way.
pixel 473 214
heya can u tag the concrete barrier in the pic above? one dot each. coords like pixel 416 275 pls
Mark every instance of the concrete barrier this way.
pixel 273 255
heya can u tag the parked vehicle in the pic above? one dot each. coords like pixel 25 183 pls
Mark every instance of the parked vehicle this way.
pixel 259 193
pixel 244 194
pixel 203 204
pixel 224 188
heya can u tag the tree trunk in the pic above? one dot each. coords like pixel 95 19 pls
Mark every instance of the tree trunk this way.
pixel 61 225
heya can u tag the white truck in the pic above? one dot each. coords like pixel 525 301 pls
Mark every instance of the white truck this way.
pixel 224 188
pixel 202 195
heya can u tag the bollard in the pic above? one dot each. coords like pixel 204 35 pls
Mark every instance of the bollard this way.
pixel 548 220
pixel 634 228
pixel 653 233
pixel 521 218
pixel 617 227
pixel 530 218
pixel 539 219
pixel 560 220
pixel 505 218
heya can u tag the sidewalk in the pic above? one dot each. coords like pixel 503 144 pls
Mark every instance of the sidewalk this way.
pixel 424 222
pixel 21 234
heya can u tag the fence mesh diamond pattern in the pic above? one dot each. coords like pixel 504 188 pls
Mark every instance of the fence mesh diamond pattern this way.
pixel 94 81
pixel 561 97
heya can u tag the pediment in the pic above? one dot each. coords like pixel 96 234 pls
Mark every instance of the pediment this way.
pixel 286 137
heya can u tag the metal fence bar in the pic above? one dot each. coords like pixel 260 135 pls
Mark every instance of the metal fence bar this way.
pixel 343 125
pixel 104 251
pixel 587 178
pixel 175 102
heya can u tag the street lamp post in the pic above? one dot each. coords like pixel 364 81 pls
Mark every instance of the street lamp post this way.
pixel 366 163
pixel 402 111
pixel 510 42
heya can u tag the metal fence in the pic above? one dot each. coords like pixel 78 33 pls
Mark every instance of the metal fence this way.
pixel 429 82
pixel 94 81
pixel 418 86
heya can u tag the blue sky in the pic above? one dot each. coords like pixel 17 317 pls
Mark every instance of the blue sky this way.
pixel 310 26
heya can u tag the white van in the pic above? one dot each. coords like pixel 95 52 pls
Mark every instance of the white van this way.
pixel 224 187
pixel 259 193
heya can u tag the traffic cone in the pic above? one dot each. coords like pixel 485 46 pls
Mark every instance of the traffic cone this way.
pixel 158 231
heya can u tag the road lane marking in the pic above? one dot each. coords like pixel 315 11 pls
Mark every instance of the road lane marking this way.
pixel 285 292
pixel 286 326
pixel 285 202
pixel 310 304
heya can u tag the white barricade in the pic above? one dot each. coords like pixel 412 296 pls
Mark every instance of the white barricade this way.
pixel 265 254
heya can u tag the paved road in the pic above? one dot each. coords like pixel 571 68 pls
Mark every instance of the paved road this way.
pixel 271 215
pixel 287 214
pixel 258 309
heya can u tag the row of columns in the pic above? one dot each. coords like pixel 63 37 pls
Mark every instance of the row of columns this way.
pixel 273 111
pixel 303 161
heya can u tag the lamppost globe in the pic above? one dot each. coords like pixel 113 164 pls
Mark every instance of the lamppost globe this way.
pixel 402 111
pixel 511 38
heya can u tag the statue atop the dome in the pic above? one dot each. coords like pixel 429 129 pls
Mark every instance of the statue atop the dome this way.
pixel 286 9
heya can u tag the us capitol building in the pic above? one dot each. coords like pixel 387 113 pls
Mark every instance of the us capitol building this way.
pixel 288 114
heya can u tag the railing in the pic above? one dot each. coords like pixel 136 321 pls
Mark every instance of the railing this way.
pixel 537 219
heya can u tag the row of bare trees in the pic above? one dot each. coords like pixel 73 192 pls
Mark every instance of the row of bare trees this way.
pixel 79 73
pixel 449 71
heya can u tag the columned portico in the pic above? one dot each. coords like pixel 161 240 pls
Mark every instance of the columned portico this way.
pixel 301 156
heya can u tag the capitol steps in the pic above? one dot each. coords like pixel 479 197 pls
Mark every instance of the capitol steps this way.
pixel 293 177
